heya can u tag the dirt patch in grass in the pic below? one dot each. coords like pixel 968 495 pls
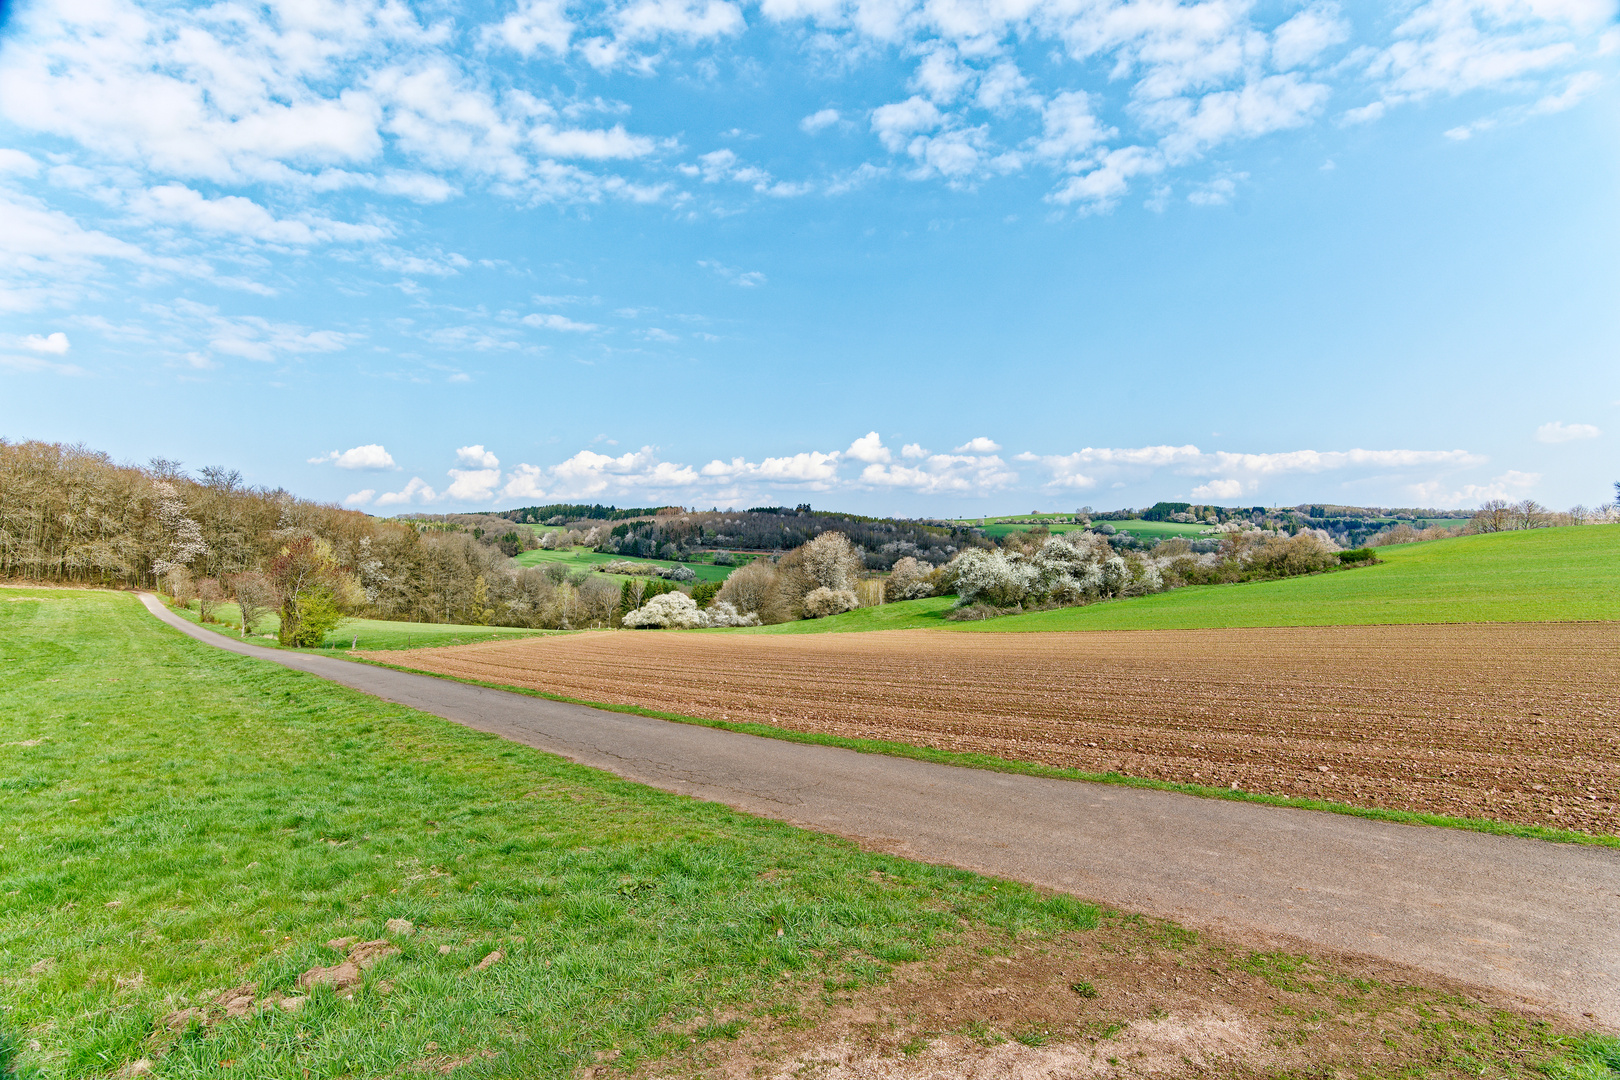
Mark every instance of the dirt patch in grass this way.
pixel 1514 723
pixel 1135 997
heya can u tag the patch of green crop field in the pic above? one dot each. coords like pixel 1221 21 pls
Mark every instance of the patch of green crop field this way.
pixel 176 821
pixel 1135 528
pixel 581 558
pixel 365 633
pixel 900 615
pixel 1570 573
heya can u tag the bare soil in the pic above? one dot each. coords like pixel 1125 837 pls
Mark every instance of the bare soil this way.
pixel 1517 723
pixel 1135 997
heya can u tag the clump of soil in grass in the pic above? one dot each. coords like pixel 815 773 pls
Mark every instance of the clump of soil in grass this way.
pixel 1134 997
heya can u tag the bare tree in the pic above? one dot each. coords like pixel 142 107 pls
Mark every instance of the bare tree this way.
pixel 1528 514
pixel 1492 516
pixel 255 597
pixel 209 597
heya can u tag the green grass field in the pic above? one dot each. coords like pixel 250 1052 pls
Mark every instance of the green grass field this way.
pixel 367 633
pixel 178 821
pixel 1541 574
pixel 580 558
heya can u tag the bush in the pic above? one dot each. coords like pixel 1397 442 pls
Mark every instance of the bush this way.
pixel 909 580
pixel 822 601
pixel 750 589
pixel 674 609
pixel 1358 555
pixel 974 613
pixel 833 562
pixel 721 613
pixel 678 573
pixel 677 611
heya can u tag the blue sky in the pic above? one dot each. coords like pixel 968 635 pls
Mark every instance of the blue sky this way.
pixel 897 256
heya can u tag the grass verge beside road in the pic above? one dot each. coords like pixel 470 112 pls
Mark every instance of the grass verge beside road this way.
pixel 180 821
pixel 186 830
pixel 365 633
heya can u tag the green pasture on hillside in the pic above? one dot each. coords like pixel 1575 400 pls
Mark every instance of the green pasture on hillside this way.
pixel 581 558
pixel 1570 573
pixel 366 633
pixel 178 821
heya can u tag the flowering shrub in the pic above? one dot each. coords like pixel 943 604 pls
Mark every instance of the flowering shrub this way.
pixel 909 580
pixel 677 611
pixel 822 601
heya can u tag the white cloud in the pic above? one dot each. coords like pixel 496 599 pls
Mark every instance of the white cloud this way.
pixel 1219 489
pixel 869 448
pixel 747 279
pixel 472 485
pixel 1306 35
pixel 1108 178
pixel 597 144
pixel 819 121
pixel 811 468
pixel 587 472
pixel 939 474
pixel 535 25
pixel 1230 475
pixel 415 491
pixel 525 482
pixel 559 322
pixel 177 204
pixel 912 451
pixel 371 457
pixel 689 19
pixel 979 445
pixel 1559 432
pixel 17 163
pixel 895 124
pixel 56 343
pixel 1069 127
pixel 1216 192
pixel 477 457
pixel 360 498
pixel 15 362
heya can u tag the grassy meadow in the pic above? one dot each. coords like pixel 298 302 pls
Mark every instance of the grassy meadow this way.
pixel 1570 573
pixel 179 821
pixel 580 558
pixel 365 633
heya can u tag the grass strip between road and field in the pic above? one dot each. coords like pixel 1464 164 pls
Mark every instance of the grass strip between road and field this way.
pixel 991 763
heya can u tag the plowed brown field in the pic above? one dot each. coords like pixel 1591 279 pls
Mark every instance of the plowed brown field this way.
pixel 1517 723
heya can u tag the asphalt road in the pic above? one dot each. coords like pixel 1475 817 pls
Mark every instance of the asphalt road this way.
pixel 1531 919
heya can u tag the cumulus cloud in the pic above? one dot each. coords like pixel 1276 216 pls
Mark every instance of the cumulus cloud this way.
pixel 1560 432
pixel 819 121
pixel 1226 474
pixel 360 498
pixel 477 457
pixel 746 279
pixel 1219 489
pixel 370 457
pixel 869 448
pixel 559 322
pixel 55 343
pixel 980 445
pixel 415 491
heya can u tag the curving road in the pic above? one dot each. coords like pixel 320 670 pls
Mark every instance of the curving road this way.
pixel 1534 920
